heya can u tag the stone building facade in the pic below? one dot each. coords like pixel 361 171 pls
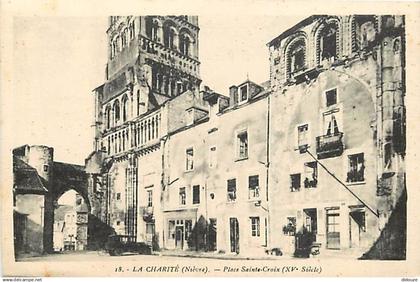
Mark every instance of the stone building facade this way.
pixel 315 154
pixel 338 83
pixel 38 182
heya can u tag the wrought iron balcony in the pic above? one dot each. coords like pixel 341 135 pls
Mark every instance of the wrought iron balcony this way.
pixel 329 145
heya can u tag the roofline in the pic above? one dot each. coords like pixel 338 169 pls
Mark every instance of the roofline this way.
pixel 289 31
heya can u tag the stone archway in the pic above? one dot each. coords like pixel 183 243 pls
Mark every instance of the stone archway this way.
pixel 64 177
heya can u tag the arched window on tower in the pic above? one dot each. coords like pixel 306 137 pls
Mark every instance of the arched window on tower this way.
pixel 184 44
pixel 169 36
pixel 124 108
pixel 132 30
pixel 108 116
pixel 118 43
pixel 296 57
pixel 151 28
pixel 124 38
pixel 116 110
pixel 328 41
pixel 114 48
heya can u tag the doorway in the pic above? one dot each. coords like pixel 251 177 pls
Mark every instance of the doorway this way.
pixel 333 229
pixel 234 235
pixel 179 237
pixel 357 226
pixel 311 221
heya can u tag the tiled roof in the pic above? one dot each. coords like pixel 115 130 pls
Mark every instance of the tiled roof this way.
pixel 27 179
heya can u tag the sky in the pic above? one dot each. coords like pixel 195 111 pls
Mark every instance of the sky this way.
pixel 58 61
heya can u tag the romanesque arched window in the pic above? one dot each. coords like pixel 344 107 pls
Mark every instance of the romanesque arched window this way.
pixel 152 28
pixel 114 46
pixel 132 30
pixel 169 34
pixel 124 38
pixel 116 110
pixel 185 44
pixel 296 56
pixel 108 116
pixel 124 108
pixel 138 102
pixel 364 30
pixel 118 43
pixel 327 40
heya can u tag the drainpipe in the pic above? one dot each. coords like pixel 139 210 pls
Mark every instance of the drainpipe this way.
pixel 267 165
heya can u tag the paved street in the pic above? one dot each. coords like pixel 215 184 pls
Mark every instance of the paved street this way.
pixel 103 256
pixel 170 256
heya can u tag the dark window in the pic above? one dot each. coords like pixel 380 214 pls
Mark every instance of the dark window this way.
pixel 356 172
pixel 242 145
pixel 254 189
pixel 182 196
pixel 118 196
pixel 311 175
pixel 108 117
pixel 151 28
pixel 125 108
pixel 297 57
pixel 244 93
pixel 328 42
pixel 196 194
pixel 138 102
pixel 331 97
pixel 132 31
pixel 189 163
pixel 117 110
pixel 231 190
pixel 295 182
pixel 169 35
pixel 365 31
pixel 184 44
pixel 45 168
pixel 277 61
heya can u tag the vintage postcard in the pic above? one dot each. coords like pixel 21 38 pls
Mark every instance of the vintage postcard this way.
pixel 188 139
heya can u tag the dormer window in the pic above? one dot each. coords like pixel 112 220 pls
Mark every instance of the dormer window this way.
pixel 243 93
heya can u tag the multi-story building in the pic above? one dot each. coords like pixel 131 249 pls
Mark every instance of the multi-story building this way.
pixel 337 131
pixel 314 155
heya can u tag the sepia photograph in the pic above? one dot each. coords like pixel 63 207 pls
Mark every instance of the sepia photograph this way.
pixel 205 143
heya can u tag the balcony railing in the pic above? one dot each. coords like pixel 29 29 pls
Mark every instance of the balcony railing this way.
pixel 135 134
pixel 170 57
pixel 329 145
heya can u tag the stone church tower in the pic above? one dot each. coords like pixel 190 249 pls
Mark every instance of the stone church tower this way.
pixel 151 60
